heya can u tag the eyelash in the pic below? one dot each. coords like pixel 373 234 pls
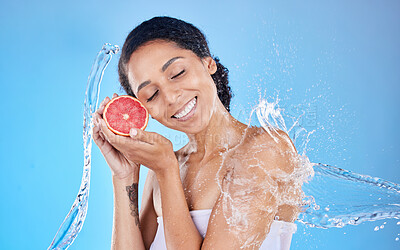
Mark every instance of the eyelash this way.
pixel 154 95
pixel 180 73
pixel 151 98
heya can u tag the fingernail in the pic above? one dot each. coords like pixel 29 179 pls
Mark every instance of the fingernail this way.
pixel 133 132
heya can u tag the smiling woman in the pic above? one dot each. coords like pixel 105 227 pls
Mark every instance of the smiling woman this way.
pixel 227 187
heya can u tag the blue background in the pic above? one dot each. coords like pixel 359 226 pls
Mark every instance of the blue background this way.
pixel 341 57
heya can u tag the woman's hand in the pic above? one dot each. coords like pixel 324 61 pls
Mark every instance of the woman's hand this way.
pixel 121 167
pixel 148 148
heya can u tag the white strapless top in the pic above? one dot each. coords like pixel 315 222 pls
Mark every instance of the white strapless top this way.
pixel 278 238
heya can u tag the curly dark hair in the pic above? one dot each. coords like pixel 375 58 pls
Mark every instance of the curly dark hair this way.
pixel 186 36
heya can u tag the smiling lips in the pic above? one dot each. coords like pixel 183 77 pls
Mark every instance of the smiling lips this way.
pixel 186 111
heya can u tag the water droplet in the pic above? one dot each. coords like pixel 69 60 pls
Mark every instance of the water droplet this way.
pixel 397 239
pixel 376 228
pixel 398 223
pixel 382 226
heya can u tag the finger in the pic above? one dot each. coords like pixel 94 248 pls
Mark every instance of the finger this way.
pixel 93 119
pixel 103 102
pixel 96 118
pixel 144 136
pixel 108 134
pixel 98 138
pixel 123 143
pixel 102 105
pixel 117 141
pixel 96 133
pixel 105 147
pixel 102 136
pixel 96 128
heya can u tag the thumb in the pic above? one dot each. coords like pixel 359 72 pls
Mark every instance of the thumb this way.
pixel 140 135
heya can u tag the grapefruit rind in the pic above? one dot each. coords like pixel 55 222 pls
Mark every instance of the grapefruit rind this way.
pixel 113 100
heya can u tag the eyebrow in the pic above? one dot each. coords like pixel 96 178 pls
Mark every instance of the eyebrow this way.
pixel 164 68
pixel 142 85
pixel 170 61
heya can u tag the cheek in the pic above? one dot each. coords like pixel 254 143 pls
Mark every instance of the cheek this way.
pixel 210 87
pixel 205 83
pixel 156 113
pixel 152 111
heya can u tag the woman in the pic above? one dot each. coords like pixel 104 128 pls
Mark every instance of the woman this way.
pixel 226 187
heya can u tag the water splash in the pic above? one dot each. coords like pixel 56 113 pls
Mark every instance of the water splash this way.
pixel 73 222
pixel 348 198
pixel 335 197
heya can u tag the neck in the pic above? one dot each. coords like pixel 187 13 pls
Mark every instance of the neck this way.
pixel 222 133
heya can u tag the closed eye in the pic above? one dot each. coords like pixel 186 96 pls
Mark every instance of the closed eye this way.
pixel 180 73
pixel 151 98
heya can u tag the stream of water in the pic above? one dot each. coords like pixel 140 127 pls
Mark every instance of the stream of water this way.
pixel 74 220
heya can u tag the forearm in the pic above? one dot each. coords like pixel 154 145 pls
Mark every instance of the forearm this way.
pixel 126 229
pixel 180 231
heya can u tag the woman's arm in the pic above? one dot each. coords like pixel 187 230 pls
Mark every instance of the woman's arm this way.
pixel 133 230
pixel 155 152
pixel 126 227
pixel 130 228
pixel 127 232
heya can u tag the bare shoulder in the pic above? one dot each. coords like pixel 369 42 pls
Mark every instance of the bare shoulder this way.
pixel 264 153
pixel 251 190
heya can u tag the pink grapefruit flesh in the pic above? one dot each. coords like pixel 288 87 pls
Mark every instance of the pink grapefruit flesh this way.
pixel 123 113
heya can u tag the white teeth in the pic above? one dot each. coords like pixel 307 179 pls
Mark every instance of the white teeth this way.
pixel 187 109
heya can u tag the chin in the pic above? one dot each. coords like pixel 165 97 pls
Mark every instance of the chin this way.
pixel 193 128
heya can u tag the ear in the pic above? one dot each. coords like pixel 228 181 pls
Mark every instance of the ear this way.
pixel 210 64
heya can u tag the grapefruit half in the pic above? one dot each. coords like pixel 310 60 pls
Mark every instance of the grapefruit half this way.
pixel 123 113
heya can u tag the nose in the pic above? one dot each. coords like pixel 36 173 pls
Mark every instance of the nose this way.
pixel 172 95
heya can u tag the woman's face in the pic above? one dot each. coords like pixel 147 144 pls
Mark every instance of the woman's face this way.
pixel 174 84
